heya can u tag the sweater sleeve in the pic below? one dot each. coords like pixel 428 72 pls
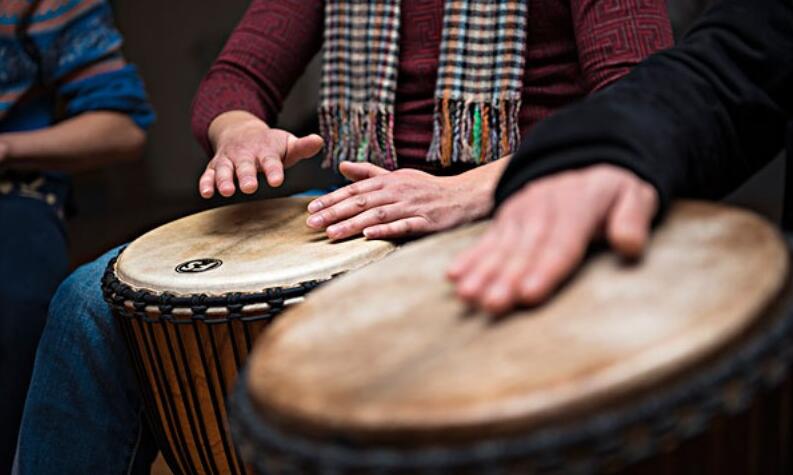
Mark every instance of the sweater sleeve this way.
pixel 613 37
pixel 695 120
pixel 264 56
pixel 82 58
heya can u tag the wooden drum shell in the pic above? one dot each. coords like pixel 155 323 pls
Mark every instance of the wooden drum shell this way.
pixel 187 359
pixel 191 298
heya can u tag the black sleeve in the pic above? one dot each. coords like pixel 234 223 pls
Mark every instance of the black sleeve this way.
pixel 695 120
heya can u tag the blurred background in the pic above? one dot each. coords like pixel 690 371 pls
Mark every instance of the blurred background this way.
pixel 173 43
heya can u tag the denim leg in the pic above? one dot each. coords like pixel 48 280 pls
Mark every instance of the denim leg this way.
pixel 33 261
pixel 83 412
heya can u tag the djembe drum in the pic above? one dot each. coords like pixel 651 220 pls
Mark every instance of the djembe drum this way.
pixel 191 298
pixel 676 365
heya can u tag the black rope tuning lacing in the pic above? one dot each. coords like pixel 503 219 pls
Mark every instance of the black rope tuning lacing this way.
pixel 117 292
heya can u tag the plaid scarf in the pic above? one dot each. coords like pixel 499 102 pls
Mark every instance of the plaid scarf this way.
pixel 477 95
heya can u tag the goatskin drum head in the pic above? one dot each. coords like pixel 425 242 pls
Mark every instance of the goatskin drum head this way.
pixel 241 248
pixel 388 355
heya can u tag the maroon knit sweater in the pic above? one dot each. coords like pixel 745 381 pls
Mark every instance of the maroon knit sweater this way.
pixel 574 47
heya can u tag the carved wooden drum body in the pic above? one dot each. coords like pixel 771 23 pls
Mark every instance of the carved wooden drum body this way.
pixel 191 298
pixel 676 365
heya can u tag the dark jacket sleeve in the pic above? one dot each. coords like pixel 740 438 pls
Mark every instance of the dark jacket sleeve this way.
pixel 695 120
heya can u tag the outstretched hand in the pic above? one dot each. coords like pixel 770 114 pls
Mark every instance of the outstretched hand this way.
pixel 541 234
pixel 245 146
pixel 383 205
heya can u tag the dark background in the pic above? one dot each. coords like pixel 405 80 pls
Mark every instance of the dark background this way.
pixel 173 43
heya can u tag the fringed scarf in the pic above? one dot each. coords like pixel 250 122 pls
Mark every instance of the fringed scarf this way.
pixel 477 95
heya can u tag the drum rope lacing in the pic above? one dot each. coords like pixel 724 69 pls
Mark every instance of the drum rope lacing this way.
pixel 117 292
pixel 132 305
pixel 613 439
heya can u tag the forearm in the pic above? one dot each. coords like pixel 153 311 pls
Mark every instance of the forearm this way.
pixel 263 58
pixel 693 121
pixel 86 141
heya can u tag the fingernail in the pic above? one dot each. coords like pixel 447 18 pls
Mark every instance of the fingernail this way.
pixel 315 221
pixel 369 234
pixel 314 206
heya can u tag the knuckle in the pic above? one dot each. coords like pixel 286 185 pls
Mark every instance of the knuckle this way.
pixel 360 201
pixel 603 173
pixel 390 180
pixel 272 163
pixel 330 214
pixel 648 192
pixel 381 215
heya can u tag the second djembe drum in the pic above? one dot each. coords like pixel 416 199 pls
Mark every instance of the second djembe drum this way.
pixel 678 364
pixel 192 296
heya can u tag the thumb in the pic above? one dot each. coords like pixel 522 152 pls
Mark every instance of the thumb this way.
pixel 301 148
pixel 360 171
pixel 628 226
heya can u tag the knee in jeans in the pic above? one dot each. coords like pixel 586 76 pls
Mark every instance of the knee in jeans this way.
pixel 80 295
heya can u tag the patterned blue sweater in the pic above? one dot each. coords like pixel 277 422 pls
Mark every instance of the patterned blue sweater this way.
pixel 58 59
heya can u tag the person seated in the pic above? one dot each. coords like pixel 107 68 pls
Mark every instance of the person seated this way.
pixel 421 135
pixel 693 121
pixel 68 102
pixel 426 147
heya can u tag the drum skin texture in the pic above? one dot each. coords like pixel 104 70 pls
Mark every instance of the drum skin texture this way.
pixel 675 364
pixel 192 296
pixel 259 245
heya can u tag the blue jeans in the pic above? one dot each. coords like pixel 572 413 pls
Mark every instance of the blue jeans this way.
pixel 83 412
pixel 33 261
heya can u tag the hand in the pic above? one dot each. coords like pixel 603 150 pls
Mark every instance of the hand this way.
pixel 542 232
pixel 245 145
pixel 383 204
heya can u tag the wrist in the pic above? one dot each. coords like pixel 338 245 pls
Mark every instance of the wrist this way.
pixel 476 191
pixel 227 122
pixel 12 146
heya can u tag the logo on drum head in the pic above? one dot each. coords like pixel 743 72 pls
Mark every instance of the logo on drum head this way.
pixel 198 265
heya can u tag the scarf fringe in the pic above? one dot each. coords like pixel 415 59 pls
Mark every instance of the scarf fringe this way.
pixel 358 134
pixel 474 132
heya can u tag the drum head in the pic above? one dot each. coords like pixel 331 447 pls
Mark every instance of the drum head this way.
pixel 388 355
pixel 240 248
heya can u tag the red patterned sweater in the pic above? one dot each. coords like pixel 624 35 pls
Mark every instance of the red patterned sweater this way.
pixel 574 47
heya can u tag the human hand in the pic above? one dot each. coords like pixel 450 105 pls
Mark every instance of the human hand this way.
pixel 542 232
pixel 245 145
pixel 383 204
